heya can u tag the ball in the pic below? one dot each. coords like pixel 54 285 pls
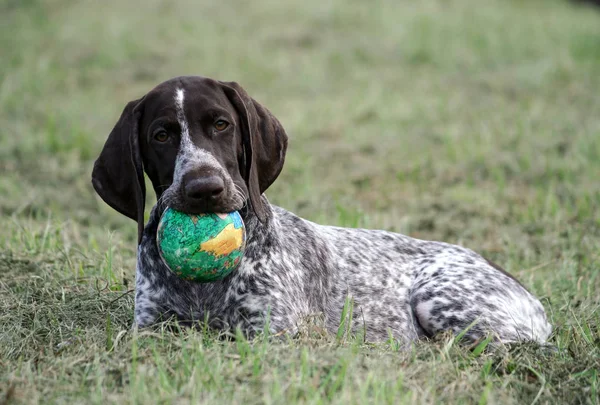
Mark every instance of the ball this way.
pixel 202 247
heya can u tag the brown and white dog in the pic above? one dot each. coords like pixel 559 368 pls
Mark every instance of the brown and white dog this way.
pixel 208 147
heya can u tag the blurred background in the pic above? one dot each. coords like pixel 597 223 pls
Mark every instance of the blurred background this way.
pixel 466 121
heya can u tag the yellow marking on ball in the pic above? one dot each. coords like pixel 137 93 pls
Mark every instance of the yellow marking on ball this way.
pixel 228 240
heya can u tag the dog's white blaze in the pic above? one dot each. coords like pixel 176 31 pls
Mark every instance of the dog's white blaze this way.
pixel 186 147
pixel 188 152
pixel 186 141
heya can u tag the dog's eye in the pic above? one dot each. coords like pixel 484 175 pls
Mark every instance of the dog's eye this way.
pixel 161 136
pixel 220 125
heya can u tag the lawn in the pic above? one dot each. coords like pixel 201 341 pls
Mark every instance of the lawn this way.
pixel 472 122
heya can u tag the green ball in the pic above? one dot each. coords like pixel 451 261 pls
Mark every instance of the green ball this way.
pixel 202 247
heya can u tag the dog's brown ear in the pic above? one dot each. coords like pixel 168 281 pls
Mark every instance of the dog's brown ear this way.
pixel 118 175
pixel 264 141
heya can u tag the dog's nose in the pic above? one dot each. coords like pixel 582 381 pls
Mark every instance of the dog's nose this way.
pixel 204 187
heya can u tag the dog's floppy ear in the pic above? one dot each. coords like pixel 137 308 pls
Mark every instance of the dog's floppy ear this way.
pixel 264 141
pixel 118 175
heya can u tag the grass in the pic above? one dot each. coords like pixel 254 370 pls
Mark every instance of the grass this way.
pixel 471 122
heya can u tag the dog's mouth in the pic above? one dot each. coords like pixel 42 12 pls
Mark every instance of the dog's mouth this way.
pixel 200 198
pixel 204 208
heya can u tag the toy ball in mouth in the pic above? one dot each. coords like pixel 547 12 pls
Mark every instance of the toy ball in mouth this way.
pixel 201 247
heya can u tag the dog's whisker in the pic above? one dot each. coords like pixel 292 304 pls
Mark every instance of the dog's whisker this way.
pixel 239 195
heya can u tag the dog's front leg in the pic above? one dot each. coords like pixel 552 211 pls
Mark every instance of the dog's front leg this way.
pixel 149 305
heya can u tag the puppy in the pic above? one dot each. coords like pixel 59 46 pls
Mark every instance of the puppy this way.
pixel 208 147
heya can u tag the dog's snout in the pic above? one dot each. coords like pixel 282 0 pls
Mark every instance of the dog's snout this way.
pixel 204 188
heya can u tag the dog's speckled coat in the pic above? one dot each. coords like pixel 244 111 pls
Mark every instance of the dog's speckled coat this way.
pixel 292 268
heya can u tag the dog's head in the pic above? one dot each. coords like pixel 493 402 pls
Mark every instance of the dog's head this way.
pixel 205 145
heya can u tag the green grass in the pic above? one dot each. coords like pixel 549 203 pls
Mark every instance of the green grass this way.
pixel 471 122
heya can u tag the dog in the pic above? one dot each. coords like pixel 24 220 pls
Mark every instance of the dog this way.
pixel 207 146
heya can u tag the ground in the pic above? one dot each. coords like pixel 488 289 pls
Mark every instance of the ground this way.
pixel 471 122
